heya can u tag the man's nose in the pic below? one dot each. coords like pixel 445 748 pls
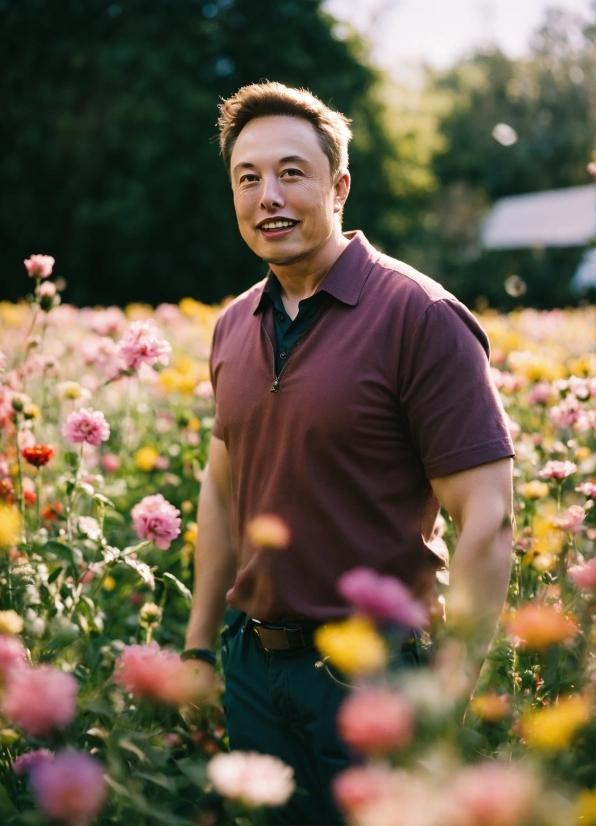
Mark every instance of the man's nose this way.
pixel 271 193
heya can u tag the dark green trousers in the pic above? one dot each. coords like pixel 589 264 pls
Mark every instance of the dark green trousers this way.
pixel 279 703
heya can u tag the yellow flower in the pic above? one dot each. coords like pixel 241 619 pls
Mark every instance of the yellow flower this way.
pixel 585 808
pixel 538 626
pixel 31 411
pixel 10 525
pixel 71 390
pixel 137 311
pixel 582 453
pixel 145 458
pixel 109 583
pixel 353 646
pixel 534 489
pixel 169 379
pixel 491 707
pixel 194 424
pixel 10 622
pixel 190 534
pixel 552 728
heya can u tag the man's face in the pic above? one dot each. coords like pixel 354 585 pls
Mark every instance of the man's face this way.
pixel 285 199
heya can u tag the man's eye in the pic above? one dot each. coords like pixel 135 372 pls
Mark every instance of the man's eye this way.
pixel 292 173
pixel 248 179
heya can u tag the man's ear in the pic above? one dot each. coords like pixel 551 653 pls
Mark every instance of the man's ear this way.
pixel 341 190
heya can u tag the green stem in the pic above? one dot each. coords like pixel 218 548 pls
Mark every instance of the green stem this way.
pixel 21 492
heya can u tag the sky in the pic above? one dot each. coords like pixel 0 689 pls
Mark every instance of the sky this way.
pixel 439 32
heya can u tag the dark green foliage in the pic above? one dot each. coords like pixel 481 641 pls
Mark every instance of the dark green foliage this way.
pixel 107 152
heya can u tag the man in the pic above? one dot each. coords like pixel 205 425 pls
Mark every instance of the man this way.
pixel 353 396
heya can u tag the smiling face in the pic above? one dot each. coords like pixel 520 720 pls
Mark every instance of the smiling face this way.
pixel 286 202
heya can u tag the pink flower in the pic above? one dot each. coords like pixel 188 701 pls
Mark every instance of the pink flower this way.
pixel 359 786
pixel 584 576
pixel 143 343
pixel 540 393
pixel 204 390
pixel 39 699
pixel 12 654
pixel 572 519
pixel 157 520
pixel 587 488
pixel 557 470
pixel 255 779
pixel 111 463
pixel 70 788
pixel 384 597
pixel 46 290
pixel 27 762
pixel 592 168
pixel 39 266
pixel 25 439
pixel 146 671
pixel 494 794
pixel 86 425
pixel 376 720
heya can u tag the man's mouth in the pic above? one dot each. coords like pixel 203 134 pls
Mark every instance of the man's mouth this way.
pixel 277 224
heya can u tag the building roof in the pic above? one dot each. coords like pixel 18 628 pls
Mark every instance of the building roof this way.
pixel 555 218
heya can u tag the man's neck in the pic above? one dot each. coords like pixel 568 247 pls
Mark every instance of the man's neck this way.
pixel 300 279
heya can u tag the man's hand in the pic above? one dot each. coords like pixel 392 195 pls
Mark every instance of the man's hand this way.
pixel 208 688
pixel 480 502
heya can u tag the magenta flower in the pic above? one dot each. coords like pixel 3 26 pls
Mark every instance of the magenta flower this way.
pixel 143 343
pixel 28 761
pixel 70 788
pixel 557 470
pixel 47 290
pixel 86 425
pixel 584 576
pixel 382 597
pixel 39 266
pixel 39 699
pixel 157 520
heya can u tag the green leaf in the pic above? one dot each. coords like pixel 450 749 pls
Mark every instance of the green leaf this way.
pixel 99 497
pixel 195 771
pixel 54 575
pixel 71 458
pixel 143 570
pixel 179 586
pixel 7 807
pixel 86 488
pixel 129 746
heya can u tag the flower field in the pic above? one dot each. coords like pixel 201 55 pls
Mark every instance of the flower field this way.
pixel 105 418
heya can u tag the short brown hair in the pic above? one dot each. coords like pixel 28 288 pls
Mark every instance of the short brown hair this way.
pixel 268 99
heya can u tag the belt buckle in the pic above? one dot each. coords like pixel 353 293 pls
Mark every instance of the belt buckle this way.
pixel 276 638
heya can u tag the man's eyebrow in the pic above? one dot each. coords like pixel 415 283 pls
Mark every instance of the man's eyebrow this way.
pixel 287 159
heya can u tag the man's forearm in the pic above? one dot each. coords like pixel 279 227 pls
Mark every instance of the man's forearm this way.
pixel 215 567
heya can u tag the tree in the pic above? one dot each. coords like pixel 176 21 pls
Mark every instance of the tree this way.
pixel 107 151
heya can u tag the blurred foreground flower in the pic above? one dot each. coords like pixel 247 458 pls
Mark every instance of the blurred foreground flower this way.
pixel 146 671
pixel 10 622
pixel 553 728
pixel 26 762
pixel 268 531
pixel 558 470
pixel 491 707
pixel 70 788
pixel 381 597
pixel 538 626
pixel 494 794
pixel 86 425
pixel 251 778
pixel 39 699
pixel 12 654
pixel 353 645
pixel 38 455
pixel 376 721
pixel 157 520
pixel 39 266
pixel 143 343
pixel 10 525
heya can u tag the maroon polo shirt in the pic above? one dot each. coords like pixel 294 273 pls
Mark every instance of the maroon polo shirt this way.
pixel 388 388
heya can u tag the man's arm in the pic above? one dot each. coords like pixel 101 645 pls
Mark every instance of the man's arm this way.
pixel 215 561
pixel 480 502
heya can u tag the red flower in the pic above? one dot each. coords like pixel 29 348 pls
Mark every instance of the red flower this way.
pixel 52 511
pixel 38 455
pixel 30 497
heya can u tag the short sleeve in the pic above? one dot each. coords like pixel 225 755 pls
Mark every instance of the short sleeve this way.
pixel 217 430
pixel 454 413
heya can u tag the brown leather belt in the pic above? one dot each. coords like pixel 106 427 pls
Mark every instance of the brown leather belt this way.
pixel 282 637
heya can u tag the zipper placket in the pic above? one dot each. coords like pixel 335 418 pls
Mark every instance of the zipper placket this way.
pixel 277 378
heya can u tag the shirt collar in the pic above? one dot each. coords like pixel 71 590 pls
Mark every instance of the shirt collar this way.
pixel 345 279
